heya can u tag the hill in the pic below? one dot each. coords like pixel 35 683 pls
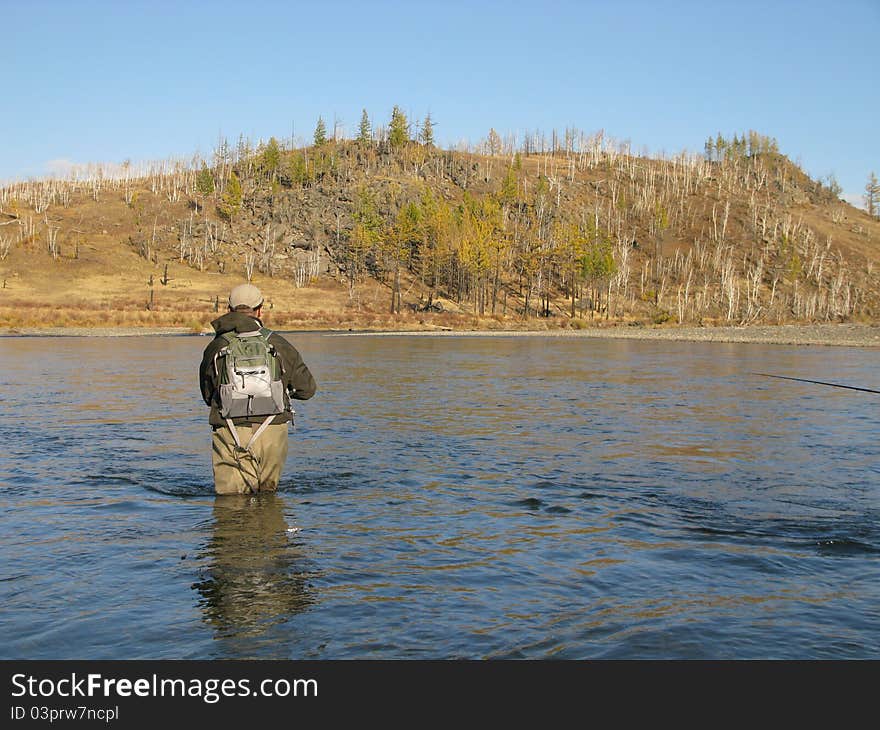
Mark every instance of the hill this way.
pixel 378 235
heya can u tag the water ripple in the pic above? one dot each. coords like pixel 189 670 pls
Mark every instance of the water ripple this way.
pixel 565 499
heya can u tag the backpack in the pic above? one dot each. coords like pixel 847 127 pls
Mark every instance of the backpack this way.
pixel 249 375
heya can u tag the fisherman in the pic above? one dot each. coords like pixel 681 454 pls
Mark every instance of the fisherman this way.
pixel 250 426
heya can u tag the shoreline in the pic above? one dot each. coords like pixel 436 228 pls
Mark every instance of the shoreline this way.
pixel 831 335
pixel 842 335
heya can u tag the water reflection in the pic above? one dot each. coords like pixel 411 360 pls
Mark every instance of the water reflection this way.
pixel 256 576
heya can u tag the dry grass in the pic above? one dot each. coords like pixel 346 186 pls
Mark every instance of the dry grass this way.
pixel 178 312
pixel 108 287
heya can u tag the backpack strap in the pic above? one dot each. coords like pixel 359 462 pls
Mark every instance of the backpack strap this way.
pixel 267 333
pixel 253 438
pixel 240 451
pixel 228 337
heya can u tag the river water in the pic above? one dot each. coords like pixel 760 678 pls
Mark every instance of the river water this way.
pixel 446 497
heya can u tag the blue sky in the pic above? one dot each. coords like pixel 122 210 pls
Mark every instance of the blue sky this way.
pixel 101 81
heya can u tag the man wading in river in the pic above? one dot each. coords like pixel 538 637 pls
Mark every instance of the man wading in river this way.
pixel 248 376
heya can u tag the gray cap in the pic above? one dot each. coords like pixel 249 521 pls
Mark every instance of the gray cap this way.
pixel 246 295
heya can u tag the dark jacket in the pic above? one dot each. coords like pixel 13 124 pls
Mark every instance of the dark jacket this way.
pixel 298 381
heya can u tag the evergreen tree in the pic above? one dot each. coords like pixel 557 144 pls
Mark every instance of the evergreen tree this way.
pixel 366 214
pixel 709 147
pixel 365 132
pixel 271 157
pixel 366 238
pixel 754 143
pixel 597 264
pixel 400 242
pixel 230 204
pixel 320 133
pixel 427 134
pixel 572 247
pixel 300 170
pixel 205 181
pixel 399 128
pixel 243 149
pixel 507 196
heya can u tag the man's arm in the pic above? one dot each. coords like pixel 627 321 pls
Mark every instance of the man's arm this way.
pixel 207 377
pixel 297 377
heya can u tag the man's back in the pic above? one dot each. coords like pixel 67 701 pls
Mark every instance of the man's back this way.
pixel 249 443
pixel 295 376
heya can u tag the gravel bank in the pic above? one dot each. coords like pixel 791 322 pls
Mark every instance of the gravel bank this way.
pixel 92 331
pixel 844 335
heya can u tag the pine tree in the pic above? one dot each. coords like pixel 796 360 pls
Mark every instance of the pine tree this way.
pixel 320 133
pixel 205 181
pixel 365 132
pixel 734 145
pixel 300 170
pixel 427 134
pixel 754 143
pixel 720 146
pixel 230 205
pixel 508 193
pixel 366 238
pixel 271 157
pixel 399 128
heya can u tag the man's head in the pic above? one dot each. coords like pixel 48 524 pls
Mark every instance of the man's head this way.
pixel 245 298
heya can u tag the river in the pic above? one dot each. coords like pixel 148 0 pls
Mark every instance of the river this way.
pixel 446 497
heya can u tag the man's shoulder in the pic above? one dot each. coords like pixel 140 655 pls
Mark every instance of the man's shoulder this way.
pixel 284 346
pixel 276 337
pixel 216 342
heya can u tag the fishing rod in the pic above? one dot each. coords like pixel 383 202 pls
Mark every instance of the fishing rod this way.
pixel 819 382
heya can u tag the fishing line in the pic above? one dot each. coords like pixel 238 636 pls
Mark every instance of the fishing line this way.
pixel 818 382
